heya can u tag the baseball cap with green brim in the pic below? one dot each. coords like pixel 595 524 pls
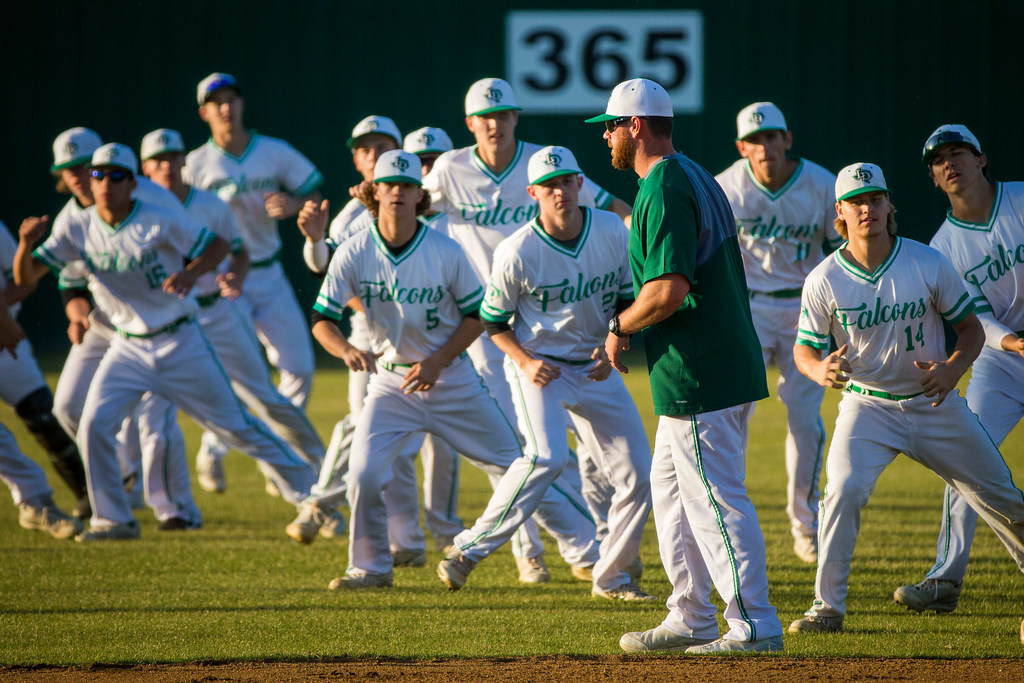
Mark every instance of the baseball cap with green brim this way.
pixel 74 147
pixel 428 140
pixel 398 166
pixel 490 95
pixel 381 125
pixel 213 83
pixel 549 163
pixel 116 154
pixel 859 178
pixel 161 141
pixel 946 135
pixel 636 97
pixel 757 117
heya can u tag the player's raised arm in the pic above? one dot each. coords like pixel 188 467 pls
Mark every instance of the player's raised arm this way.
pixel 27 268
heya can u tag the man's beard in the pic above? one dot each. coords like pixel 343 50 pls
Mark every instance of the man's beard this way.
pixel 623 153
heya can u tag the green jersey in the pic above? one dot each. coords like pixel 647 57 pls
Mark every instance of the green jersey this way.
pixel 705 356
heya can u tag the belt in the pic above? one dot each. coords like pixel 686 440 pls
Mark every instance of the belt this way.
pixel 170 327
pixel 267 262
pixel 854 389
pixel 207 300
pixel 779 293
pixel 567 361
pixel 394 366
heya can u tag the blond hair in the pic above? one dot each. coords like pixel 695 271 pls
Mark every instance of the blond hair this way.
pixel 890 223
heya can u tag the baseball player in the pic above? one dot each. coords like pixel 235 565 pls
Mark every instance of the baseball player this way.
pixel 24 388
pixel 421 319
pixel 981 236
pixel 263 180
pixel 883 298
pixel 692 308
pixel 554 284
pixel 784 210
pixel 228 329
pixel 482 189
pixel 27 481
pixel 136 250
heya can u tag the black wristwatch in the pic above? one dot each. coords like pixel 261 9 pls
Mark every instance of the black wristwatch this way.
pixel 613 327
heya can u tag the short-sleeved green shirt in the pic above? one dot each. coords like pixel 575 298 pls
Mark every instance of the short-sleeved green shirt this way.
pixel 706 356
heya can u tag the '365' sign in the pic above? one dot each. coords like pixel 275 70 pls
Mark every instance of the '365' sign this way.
pixel 565 62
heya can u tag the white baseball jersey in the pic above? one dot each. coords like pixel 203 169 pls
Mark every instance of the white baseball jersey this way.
pixel 990 258
pixel 132 261
pixel 207 209
pixel 413 301
pixel 782 234
pixel 353 216
pixel 889 318
pixel 484 208
pixel 559 298
pixel 266 165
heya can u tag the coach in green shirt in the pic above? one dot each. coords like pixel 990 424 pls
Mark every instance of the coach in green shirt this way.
pixel 706 370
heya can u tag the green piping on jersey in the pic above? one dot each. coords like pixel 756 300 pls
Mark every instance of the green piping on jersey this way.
pixel 727 542
pixel 981 227
pixel 202 242
pixel 421 232
pixel 559 246
pixel 310 185
pixel 474 299
pixel 328 307
pixel 479 163
pixel 981 305
pixel 947 535
pixel 131 214
pixel 954 318
pixel 191 195
pixel 874 277
pixel 819 341
pixel 42 254
pixel 782 190
pixel 494 315
pixel 248 148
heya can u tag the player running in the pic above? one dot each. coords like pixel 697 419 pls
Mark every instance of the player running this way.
pixel 784 209
pixel 883 299
pixel 982 236
pixel 554 284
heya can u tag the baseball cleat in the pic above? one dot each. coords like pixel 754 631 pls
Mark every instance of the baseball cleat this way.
pixel 628 592
pixel 659 639
pixel 83 509
pixel 930 594
pixel 115 532
pixel 409 558
pixel 816 624
pixel 806 548
pixel 210 472
pixel 335 526
pixel 724 646
pixel 454 569
pixel 533 570
pixel 270 486
pixel 307 525
pixel 583 572
pixel 362 581
pixel 49 518
pixel 179 524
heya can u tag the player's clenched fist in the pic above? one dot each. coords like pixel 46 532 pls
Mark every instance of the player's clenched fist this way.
pixel 33 228
pixel 833 369
pixel 313 219
pixel 540 372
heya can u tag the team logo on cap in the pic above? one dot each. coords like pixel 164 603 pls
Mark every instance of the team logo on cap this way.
pixel 113 152
pixel 494 95
pixel 371 125
pixel 427 139
pixel 400 164
pixel 71 148
pixel 863 175
pixel 165 139
pixel 756 118
pixel 553 159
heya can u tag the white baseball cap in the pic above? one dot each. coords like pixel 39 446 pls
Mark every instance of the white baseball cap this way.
pixel 636 97
pixel 948 134
pixel 550 162
pixel 759 116
pixel 375 124
pixel 116 154
pixel 160 141
pixel 428 140
pixel 74 147
pixel 213 83
pixel 489 95
pixel 398 166
pixel 858 179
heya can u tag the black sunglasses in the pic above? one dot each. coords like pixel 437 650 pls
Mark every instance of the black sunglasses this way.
pixel 115 176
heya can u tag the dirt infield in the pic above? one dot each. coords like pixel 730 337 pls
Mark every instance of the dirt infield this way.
pixel 604 669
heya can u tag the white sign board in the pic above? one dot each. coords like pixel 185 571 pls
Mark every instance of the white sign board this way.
pixel 567 62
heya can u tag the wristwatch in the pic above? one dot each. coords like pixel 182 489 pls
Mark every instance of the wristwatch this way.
pixel 613 327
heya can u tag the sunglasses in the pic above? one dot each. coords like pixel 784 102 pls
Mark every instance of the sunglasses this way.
pixel 615 123
pixel 115 176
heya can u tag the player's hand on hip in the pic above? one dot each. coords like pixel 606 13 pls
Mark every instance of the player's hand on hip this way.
pixel 230 285
pixel 180 283
pixel 938 380
pixel 33 228
pixel 602 368
pixel 540 371
pixel 360 361
pixel 422 376
pixel 613 347
pixel 834 368
pixel 313 219
pixel 280 204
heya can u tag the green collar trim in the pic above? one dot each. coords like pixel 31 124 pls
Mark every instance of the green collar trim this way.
pixel 131 214
pixel 538 229
pixel 782 190
pixel 253 139
pixel 874 277
pixel 983 227
pixel 421 232
pixel 479 163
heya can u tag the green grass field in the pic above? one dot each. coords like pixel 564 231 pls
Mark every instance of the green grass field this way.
pixel 239 589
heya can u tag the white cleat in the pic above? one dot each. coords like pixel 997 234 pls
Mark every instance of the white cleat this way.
pixel 533 570
pixel 658 639
pixel 723 646
pixel 49 518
